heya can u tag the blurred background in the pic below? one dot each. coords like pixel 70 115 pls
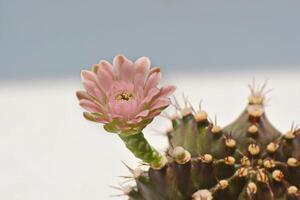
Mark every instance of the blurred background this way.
pixel 210 50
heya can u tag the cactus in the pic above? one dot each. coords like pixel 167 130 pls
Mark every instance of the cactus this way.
pixel 247 160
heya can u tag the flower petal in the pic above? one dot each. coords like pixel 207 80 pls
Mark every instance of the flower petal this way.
pixel 160 103
pixel 152 81
pixel 167 91
pixel 82 95
pixel 124 68
pixel 89 105
pixel 142 114
pixel 105 79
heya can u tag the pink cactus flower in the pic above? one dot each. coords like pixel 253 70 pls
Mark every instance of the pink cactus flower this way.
pixel 124 96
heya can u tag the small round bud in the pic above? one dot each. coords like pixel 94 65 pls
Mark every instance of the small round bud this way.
pixel 293 162
pixel 229 160
pixel 242 172
pixel 261 176
pixel 223 184
pixel 253 149
pixel 202 195
pixel 252 129
pixel 277 175
pixel 229 142
pixel 180 155
pixel 186 111
pixel 216 129
pixel 207 158
pixel 201 116
pixel 159 165
pixel 245 161
pixel 272 147
pixel 290 135
pixel 292 190
pixel 255 110
pixel 269 163
pixel 251 188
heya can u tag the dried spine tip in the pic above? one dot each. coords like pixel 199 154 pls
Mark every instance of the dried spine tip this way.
pixel 186 111
pixel 252 129
pixel 222 184
pixel 269 163
pixel 255 110
pixel 251 188
pixel 272 147
pixel 181 156
pixel 202 195
pixel 261 176
pixel 277 175
pixel 290 135
pixel 200 116
pixel 292 190
pixel 293 162
pixel 256 99
pixel 245 161
pixel 242 172
pixel 253 149
pixel 216 129
pixel 229 160
pixel 229 142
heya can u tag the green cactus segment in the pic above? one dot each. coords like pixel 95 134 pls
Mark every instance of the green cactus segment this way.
pixel 247 160
pixel 140 147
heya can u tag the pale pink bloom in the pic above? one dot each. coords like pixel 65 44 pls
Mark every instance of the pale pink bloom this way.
pixel 124 96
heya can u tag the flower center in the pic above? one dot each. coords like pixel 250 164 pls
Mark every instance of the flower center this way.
pixel 124 96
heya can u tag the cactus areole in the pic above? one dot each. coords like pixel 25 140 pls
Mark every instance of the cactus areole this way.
pixel 247 160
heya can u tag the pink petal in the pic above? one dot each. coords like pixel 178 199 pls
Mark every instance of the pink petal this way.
pixel 142 114
pixel 89 86
pixel 82 95
pixel 105 79
pixel 160 103
pixel 124 67
pixel 88 75
pixel 142 67
pixel 151 94
pixel 106 66
pixel 89 105
pixel 167 91
pixel 135 121
pixel 152 81
pixel 153 114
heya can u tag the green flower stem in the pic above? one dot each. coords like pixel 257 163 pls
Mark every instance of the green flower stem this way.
pixel 140 147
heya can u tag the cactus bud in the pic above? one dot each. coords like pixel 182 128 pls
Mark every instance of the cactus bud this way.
pixel 242 172
pixel 180 155
pixel 245 161
pixel 229 160
pixel 292 190
pixel 222 184
pixel 200 116
pixel 207 158
pixel 230 143
pixel 252 129
pixel 251 188
pixel 253 149
pixel 216 129
pixel 261 176
pixel 255 110
pixel 186 111
pixel 277 175
pixel 290 135
pixel 202 195
pixel 293 162
pixel 269 163
pixel 272 147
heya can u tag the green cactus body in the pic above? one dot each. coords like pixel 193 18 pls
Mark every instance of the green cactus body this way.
pixel 248 159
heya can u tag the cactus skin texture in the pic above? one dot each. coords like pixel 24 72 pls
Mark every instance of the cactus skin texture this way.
pixel 247 160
